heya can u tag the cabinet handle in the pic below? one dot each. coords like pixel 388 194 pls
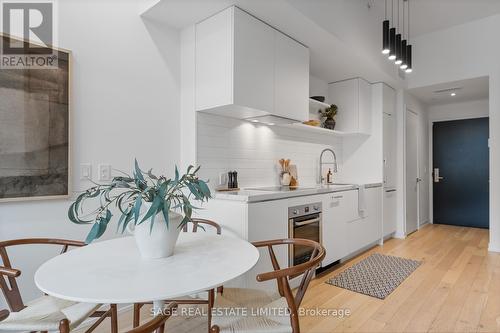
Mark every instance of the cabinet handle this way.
pixel 338 197
pixel 299 224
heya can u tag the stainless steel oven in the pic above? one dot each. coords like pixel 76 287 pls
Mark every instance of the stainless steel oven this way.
pixel 303 222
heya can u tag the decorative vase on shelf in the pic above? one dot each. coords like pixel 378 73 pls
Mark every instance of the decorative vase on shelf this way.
pixel 329 115
pixel 329 123
pixel 152 208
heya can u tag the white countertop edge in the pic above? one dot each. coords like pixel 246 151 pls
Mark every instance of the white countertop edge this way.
pixel 258 196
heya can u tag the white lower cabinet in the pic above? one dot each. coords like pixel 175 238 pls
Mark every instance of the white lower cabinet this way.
pixel 344 231
pixel 338 209
pixel 367 230
pixel 267 220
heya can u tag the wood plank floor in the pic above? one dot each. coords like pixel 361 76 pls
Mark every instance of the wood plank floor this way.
pixel 456 289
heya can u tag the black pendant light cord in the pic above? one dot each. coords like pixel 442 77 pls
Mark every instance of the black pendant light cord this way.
pixel 398 13
pixel 408 32
pixel 392 11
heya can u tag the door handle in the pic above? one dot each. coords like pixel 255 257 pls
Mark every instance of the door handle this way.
pixel 437 178
pixel 299 224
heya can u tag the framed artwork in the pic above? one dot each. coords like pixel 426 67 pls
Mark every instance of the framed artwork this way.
pixel 35 131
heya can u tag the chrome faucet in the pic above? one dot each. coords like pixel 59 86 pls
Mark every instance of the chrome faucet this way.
pixel 321 178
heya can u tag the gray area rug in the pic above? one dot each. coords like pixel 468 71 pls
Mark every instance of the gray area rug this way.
pixel 376 276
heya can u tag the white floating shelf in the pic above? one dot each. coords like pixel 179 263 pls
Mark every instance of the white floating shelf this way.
pixel 320 130
pixel 317 105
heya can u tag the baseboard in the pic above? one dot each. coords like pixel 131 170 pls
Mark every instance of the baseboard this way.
pixel 389 236
pixel 399 235
pixel 424 223
pixel 493 247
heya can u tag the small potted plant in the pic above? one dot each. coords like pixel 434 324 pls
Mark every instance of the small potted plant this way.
pixel 329 114
pixel 153 208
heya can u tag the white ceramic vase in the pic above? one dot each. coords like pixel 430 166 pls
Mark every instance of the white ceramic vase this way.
pixel 158 242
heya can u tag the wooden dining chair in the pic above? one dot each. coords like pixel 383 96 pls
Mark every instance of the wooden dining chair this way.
pixel 158 322
pixel 45 313
pixel 196 223
pixel 268 312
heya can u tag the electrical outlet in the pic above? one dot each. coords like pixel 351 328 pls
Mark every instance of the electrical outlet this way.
pixel 222 178
pixel 85 171
pixel 104 172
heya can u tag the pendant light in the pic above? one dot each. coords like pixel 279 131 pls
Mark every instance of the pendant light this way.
pixel 385 33
pixel 403 65
pixel 392 36
pixel 399 59
pixel 409 67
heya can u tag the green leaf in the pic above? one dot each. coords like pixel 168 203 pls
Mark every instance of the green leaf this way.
pixel 93 233
pixel 150 174
pixel 138 171
pixel 153 210
pixel 128 218
pixel 184 221
pixel 152 224
pixel 137 207
pixel 176 174
pixel 204 188
pixel 165 210
pixel 195 191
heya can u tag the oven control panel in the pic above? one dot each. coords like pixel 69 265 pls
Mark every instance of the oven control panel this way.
pixel 303 210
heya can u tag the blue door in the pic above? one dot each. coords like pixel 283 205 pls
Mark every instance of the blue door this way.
pixel 461 172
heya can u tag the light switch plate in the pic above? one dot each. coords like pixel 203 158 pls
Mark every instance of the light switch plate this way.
pixel 85 171
pixel 104 172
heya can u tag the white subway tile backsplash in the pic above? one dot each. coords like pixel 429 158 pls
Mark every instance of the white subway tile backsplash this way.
pixel 225 144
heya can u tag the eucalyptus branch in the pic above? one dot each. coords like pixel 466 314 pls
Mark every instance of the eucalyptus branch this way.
pixel 130 192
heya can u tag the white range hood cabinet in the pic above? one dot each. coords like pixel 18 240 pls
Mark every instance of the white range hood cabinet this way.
pixel 247 69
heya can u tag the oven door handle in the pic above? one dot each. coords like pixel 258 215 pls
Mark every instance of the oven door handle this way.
pixel 299 224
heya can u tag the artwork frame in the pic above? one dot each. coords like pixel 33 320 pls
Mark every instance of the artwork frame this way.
pixel 68 131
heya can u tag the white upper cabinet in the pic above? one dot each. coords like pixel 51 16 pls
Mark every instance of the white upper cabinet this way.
pixel 291 74
pixel 353 99
pixel 245 68
pixel 214 51
pixel 253 77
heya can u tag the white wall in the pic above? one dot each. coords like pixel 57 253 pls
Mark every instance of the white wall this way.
pixel 463 52
pixel 317 86
pixel 125 89
pixel 463 110
pixel 225 144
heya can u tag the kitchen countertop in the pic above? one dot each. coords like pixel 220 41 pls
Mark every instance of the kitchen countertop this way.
pixel 256 195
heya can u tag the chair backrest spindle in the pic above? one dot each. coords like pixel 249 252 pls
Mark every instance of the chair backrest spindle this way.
pixel 8 274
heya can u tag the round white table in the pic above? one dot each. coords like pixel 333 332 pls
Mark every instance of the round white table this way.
pixel 112 272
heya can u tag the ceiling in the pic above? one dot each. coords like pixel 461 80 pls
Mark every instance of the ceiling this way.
pixel 465 90
pixel 432 15
pixel 344 36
